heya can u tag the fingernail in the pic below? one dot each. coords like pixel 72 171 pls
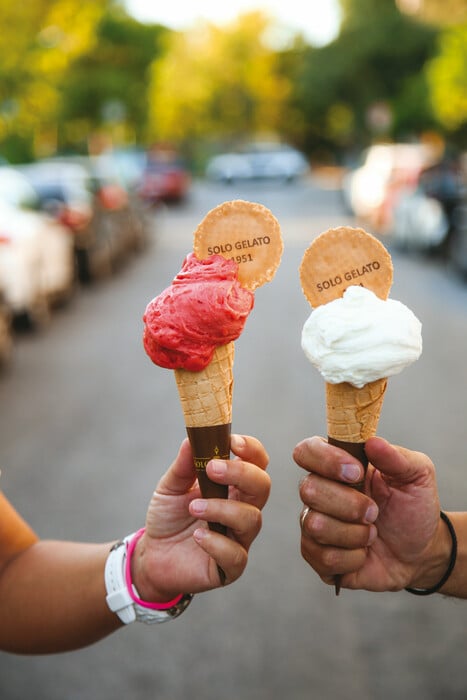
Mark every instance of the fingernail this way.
pixel 199 534
pixel 371 513
pixel 198 506
pixel 218 467
pixel 237 442
pixel 351 472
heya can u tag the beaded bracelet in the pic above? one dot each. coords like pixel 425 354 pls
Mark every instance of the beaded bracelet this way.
pixel 452 562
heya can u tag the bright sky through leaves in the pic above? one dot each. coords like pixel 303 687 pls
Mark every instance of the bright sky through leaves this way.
pixel 318 20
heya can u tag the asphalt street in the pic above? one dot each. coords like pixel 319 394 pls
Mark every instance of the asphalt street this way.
pixel 88 425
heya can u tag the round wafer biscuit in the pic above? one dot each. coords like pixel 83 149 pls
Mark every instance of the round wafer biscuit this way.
pixel 341 257
pixel 245 232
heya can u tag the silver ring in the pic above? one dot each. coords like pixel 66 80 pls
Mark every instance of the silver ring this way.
pixel 303 515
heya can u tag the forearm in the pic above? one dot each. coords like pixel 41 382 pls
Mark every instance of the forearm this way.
pixel 52 598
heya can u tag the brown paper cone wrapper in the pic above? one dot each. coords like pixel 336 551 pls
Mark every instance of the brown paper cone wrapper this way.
pixel 206 400
pixel 208 443
pixel 353 415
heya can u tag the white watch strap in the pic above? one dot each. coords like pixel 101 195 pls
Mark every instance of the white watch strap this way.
pixel 118 599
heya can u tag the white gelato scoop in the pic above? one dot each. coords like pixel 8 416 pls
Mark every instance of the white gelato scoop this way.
pixel 359 338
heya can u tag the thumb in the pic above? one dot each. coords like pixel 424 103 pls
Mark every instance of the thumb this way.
pixel 181 475
pixel 398 464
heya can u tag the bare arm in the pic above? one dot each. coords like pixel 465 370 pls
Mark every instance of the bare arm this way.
pixel 52 594
pixel 53 598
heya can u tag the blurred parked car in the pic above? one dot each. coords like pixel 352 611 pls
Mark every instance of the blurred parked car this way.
pixel 258 161
pixel 423 217
pixel 119 174
pixel 65 192
pixel 372 189
pixel 128 163
pixel 82 194
pixel 165 177
pixel 36 252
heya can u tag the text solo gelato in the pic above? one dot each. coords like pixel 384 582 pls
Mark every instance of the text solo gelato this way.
pixel 359 338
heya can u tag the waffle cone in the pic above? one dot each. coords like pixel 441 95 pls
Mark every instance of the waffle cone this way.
pixel 206 396
pixel 353 413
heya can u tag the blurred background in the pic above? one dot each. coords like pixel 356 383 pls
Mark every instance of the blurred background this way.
pixel 121 125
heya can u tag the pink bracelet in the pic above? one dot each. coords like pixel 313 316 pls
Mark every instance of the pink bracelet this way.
pixel 129 582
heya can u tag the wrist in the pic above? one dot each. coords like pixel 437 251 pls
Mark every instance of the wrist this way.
pixel 139 571
pixel 439 562
pixel 122 595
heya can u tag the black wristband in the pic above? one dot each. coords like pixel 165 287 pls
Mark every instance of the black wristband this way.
pixel 451 565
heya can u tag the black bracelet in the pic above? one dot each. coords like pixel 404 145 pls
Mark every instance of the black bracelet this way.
pixel 452 562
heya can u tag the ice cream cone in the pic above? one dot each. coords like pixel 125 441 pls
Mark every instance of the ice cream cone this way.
pixel 335 259
pixel 206 400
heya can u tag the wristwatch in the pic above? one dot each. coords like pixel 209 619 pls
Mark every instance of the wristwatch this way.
pixel 123 602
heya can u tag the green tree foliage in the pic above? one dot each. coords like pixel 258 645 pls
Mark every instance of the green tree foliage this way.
pixel 107 86
pixel 218 83
pixel 38 42
pixel 73 68
pixel 447 75
pixel 377 61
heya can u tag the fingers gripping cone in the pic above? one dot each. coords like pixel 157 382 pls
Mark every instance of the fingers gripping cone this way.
pixel 335 260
